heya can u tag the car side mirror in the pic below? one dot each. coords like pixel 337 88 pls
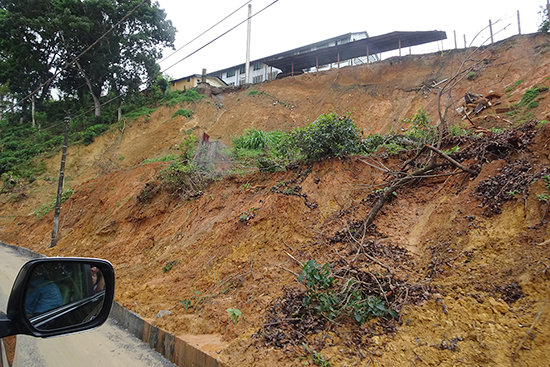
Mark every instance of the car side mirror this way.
pixel 57 296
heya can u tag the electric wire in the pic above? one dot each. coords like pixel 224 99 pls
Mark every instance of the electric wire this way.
pixel 203 33
pixel 184 58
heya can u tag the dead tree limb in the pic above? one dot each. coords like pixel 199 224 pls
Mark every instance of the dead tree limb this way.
pixel 453 162
pixel 398 183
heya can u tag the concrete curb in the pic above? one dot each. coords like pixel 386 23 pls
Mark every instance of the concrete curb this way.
pixel 171 347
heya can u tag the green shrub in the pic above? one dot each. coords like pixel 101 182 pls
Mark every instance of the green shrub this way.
pixel 190 95
pixel 323 295
pixel 183 112
pixel 328 136
pixel 530 95
pixel 184 179
pixel 92 132
pixel 48 207
pixel 166 158
pixel 257 140
pixel 138 112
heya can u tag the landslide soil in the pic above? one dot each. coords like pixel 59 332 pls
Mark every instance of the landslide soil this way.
pixel 477 268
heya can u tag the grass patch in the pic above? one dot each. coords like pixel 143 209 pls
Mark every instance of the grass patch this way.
pixel 137 113
pixel 48 207
pixel 183 112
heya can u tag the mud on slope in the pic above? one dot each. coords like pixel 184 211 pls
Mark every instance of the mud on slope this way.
pixel 484 277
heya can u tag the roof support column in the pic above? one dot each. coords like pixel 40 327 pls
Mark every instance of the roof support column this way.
pixel 270 73
pixel 292 68
pixel 316 64
pixel 367 54
pixel 338 59
pixel 399 46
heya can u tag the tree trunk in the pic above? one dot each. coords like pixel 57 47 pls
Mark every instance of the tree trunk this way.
pixel 119 110
pixel 32 112
pixel 97 102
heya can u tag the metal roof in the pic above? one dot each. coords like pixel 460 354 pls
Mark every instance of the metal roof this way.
pixel 296 61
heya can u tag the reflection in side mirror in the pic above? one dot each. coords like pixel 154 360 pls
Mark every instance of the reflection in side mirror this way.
pixel 63 294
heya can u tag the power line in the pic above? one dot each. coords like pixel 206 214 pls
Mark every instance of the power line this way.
pixel 200 35
pixel 220 36
pixel 186 57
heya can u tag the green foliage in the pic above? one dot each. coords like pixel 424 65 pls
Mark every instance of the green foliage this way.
pixel 92 132
pixel 253 93
pixel 261 148
pixel 544 26
pixel 546 179
pixel 529 96
pixel 257 140
pixel 543 197
pixel 186 303
pixel 328 136
pixel 183 112
pixel 317 358
pixel 509 89
pixel 48 207
pixel 166 158
pixel 169 265
pixel 188 146
pixel 177 97
pixel 420 133
pixel 455 131
pixel 452 150
pixel 320 293
pixel 138 112
pixel 323 296
pixel 235 314
pixel 472 75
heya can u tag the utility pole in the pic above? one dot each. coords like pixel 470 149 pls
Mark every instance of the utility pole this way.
pixel 247 65
pixel 60 184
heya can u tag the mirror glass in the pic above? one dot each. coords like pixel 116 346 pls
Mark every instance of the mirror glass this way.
pixel 61 294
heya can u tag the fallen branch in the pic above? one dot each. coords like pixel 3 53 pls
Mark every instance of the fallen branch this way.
pixel 293 258
pixel 290 271
pixel 453 162
pixel 528 332
pixel 291 249
pixel 396 184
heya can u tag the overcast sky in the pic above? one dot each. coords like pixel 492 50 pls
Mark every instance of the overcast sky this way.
pixel 288 24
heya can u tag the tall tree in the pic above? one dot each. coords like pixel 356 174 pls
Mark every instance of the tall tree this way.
pixel 38 37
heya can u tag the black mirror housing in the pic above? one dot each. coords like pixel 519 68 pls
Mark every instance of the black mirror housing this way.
pixel 18 320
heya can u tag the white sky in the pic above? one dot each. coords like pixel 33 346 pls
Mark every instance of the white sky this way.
pixel 288 24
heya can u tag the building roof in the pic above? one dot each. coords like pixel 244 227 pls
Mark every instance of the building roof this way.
pixel 294 60
pixel 302 58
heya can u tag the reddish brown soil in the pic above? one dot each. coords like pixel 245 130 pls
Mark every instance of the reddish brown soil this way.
pixel 469 263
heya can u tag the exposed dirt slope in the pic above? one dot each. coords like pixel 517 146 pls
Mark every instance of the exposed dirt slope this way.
pixel 477 282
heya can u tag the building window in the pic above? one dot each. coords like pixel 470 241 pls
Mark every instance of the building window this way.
pixel 257 65
pixel 258 79
pixel 230 73
pixel 242 70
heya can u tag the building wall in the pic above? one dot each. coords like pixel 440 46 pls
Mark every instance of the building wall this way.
pixel 184 84
pixel 258 73
pixel 192 82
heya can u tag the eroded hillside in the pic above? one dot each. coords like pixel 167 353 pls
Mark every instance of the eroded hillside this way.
pixel 464 264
